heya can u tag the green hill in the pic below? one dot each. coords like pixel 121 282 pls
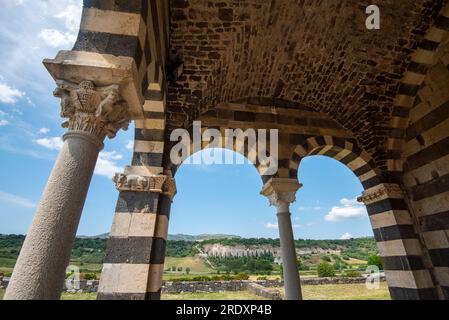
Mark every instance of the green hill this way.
pixel 89 252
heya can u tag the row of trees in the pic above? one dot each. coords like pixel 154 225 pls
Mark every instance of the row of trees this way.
pixel 253 265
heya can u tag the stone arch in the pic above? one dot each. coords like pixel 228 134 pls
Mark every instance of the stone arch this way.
pixel 243 149
pixel 343 150
pixel 393 226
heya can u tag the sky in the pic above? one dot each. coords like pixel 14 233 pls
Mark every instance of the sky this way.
pixel 210 199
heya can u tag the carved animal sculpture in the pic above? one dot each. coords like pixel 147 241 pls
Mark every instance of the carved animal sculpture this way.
pixel 132 182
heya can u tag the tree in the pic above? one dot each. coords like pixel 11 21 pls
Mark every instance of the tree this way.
pixel 375 260
pixel 187 270
pixel 325 270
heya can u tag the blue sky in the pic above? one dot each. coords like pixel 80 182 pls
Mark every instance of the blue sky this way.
pixel 211 199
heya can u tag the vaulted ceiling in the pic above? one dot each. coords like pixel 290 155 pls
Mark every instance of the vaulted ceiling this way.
pixel 315 53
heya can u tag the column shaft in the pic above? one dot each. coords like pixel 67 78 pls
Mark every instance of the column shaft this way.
pixel 40 269
pixel 291 275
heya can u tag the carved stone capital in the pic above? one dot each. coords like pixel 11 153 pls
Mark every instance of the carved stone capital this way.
pixel 281 191
pixel 134 182
pixel 381 192
pixel 169 189
pixel 95 111
pixel 158 183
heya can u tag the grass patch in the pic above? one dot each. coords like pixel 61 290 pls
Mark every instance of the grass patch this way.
pixel 196 264
pixel 344 292
pixel 67 296
pixel 227 295
pixel 79 296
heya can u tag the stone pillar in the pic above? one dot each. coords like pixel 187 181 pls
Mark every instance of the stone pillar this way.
pixel 134 261
pixel 281 192
pixel 406 263
pixel 93 114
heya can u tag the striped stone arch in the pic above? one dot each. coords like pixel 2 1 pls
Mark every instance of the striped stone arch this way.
pixel 343 150
pixel 421 61
pixel 399 245
pixel 241 149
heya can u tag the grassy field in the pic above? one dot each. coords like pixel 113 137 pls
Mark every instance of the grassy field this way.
pixel 239 295
pixel 344 292
pixel 324 292
pixel 197 267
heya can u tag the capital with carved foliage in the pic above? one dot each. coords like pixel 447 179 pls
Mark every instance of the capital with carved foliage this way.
pixel 381 192
pixel 93 111
pixel 281 191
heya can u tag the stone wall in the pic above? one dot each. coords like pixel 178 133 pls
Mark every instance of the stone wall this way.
pixel 82 286
pixel 216 286
pixel 259 287
pixel 2 284
pixel 261 291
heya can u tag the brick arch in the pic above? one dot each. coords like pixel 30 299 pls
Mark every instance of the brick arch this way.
pixel 344 150
pixel 393 227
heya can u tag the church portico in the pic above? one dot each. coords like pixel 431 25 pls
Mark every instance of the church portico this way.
pixel 375 100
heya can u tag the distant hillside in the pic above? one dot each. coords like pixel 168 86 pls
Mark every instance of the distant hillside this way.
pixel 178 237
pixel 92 249
pixel 201 237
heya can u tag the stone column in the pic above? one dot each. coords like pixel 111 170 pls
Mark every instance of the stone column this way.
pixel 281 192
pixel 93 113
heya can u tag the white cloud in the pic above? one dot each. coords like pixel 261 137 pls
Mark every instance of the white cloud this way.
pixel 3 122
pixel 107 161
pixel 44 130
pixel 275 226
pixel 348 210
pixel 107 164
pixel 9 94
pixel 56 38
pixel 271 225
pixel 130 145
pixel 16 200
pixel 317 208
pixel 71 14
pixel 54 143
pixel 346 236
pixel 349 202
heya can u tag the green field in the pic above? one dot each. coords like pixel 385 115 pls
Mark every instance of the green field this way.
pixel 322 292
pixel 226 295
pixel 345 292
